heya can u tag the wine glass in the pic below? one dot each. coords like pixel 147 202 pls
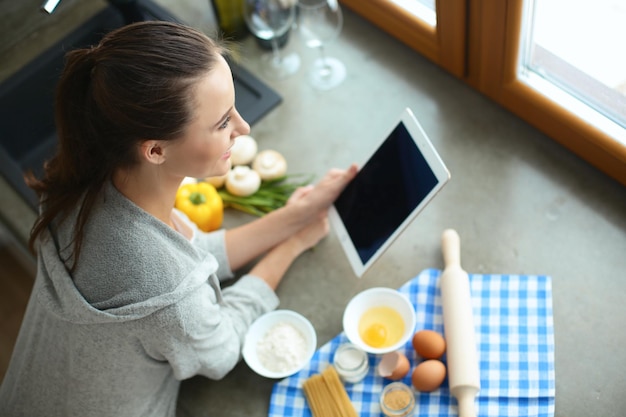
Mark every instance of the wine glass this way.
pixel 319 22
pixel 269 20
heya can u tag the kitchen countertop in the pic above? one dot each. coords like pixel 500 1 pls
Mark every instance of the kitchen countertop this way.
pixel 521 203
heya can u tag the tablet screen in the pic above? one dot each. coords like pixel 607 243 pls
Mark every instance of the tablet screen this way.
pixel 389 187
pixel 401 176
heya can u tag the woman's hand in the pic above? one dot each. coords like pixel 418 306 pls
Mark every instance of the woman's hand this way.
pixel 307 206
pixel 273 266
pixel 313 200
pixel 311 234
pixel 299 193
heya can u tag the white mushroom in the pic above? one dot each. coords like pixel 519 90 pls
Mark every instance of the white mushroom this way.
pixel 242 181
pixel 243 151
pixel 270 165
pixel 217 182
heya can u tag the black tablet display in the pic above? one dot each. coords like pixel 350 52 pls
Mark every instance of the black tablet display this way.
pixel 392 187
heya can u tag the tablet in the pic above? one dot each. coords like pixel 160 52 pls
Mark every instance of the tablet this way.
pixel 398 180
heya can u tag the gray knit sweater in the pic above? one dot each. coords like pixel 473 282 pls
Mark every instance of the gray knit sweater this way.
pixel 142 311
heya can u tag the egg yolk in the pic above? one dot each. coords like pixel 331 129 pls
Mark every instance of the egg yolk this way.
pixel 381 327
pixel 375 335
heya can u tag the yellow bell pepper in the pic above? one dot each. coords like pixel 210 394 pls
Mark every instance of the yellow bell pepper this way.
pixel 202 204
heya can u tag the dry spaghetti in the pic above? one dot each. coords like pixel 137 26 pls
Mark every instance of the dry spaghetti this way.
pixel 327 396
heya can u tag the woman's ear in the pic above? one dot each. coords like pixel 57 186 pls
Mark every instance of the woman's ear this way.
pixel 152 151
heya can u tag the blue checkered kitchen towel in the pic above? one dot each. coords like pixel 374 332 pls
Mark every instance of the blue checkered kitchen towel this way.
pixel 515 336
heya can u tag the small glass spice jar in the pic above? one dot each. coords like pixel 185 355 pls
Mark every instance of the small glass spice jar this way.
pixel 351 363
pixel 397 400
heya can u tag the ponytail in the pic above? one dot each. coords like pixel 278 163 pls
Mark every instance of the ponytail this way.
pixel 136 84
pixel 67 174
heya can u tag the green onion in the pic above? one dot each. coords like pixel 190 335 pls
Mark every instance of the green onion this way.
pixel 271 195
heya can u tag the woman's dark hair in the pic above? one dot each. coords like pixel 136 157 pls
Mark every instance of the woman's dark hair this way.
pixel 136 84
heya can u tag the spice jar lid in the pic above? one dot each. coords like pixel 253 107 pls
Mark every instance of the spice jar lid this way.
pixel 397 400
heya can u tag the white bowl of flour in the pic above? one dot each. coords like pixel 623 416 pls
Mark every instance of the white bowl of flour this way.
pixel 279 344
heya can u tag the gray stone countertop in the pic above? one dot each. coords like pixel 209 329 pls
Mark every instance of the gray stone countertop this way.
pixel 521 203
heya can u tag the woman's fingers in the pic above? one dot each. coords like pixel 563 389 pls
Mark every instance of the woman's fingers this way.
pixel 333 183
pixel 299 193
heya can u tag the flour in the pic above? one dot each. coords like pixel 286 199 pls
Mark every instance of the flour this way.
pixel 282 348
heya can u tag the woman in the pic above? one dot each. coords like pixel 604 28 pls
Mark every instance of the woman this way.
pixel 127 300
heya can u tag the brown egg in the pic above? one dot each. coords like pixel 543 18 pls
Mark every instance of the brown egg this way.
pixel 394 366
pixel 429 344
pixel 428 375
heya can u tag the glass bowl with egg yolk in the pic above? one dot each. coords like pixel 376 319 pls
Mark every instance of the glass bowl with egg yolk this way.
pixel 379 320
pixel 381 327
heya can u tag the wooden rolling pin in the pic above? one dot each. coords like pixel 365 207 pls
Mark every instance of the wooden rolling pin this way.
pixel 458 322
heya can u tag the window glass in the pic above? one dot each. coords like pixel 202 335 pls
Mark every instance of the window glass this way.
pixel 573 51
pixel 424 9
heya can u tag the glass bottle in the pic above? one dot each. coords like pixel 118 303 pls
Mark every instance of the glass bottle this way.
pixel 229 15
pixel 351 363
pixel 397 400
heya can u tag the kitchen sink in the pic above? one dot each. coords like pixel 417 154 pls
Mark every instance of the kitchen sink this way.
pixel 27 129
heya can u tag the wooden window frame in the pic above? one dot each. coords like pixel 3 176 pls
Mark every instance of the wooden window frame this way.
pixel 493 60
pixel 478 42
pixel 443 44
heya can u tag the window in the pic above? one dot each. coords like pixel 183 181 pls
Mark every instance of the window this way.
pixel 422 9
pixel 510 51
pixel 571 50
